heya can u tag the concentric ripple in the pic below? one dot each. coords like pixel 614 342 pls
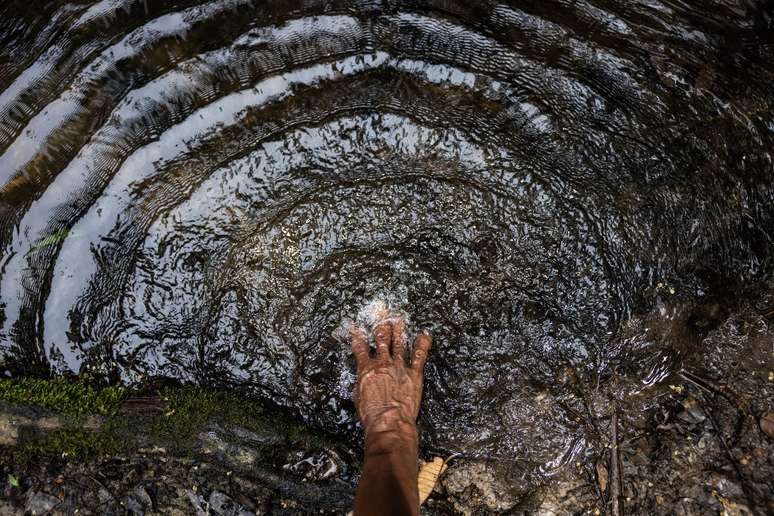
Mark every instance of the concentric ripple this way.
pixel 209 190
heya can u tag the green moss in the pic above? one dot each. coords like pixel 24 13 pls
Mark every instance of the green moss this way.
pixel 75 400
pixel 187 411
pixel 72 443
pixel 190 409
pixel 59 395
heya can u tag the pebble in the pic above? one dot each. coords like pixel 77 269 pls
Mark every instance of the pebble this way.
pixel 767 423
pixel 104 496
pixel 223 505
pixel 138 501
pixel 40 503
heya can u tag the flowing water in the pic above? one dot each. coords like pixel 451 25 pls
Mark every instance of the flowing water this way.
pixel 209 191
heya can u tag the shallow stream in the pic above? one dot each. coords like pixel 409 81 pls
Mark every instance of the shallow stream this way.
pixel 209 191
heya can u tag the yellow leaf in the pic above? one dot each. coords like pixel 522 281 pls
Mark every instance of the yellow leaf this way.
pixel 602 476
pixel 429 472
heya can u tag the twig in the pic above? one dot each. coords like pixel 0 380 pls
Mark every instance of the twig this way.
pixel 593 479
pixel 731 459
pixel 724 391
pixel 717 388
pixel 615 468
pixel 766 311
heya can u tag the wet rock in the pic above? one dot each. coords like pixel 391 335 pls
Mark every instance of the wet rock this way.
pixel 480 484
pixel 222 505
pixel 16 422
pixel 236 455
pixel 138 501
pixel 134 507
pixel 725 486
pixel 197 502
pixel 104 496
pixel 559 499
pixel 264 437
pixel 314 465
pixel 692 412
pixel 40 503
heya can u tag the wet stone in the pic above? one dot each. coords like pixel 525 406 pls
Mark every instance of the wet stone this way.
pixel 104 496
pixel 480 483
pixel 138 501
pixel 20 423
pixel 239 456
pixel 315 465
pixel 222 505
pixel 197 502
pixel 39 503
pixel 264 437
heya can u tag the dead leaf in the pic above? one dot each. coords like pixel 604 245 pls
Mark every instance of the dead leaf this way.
pixel 429 472
pixel 729 507
pixel 767 423
pixel 602 476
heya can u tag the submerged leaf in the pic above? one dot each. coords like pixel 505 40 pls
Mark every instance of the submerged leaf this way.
pixel 50 240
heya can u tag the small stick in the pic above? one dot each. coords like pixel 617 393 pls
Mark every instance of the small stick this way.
pixel 729 455
pixel 594 480
pixel 717 388
pixel 724 391
pixel 615 469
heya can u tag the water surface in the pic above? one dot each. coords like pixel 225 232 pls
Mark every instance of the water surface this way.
pixel 209 190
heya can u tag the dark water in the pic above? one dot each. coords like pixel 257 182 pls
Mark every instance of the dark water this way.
pixel 209 191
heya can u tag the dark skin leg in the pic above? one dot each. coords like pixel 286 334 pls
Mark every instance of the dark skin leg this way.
pixel 387 396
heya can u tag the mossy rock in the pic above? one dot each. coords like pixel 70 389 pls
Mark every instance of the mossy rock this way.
pixel 98 421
